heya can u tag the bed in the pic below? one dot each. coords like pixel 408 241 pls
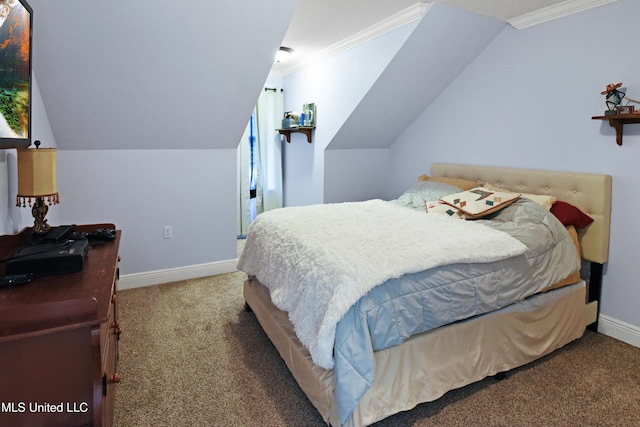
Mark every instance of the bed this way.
pixel 450 354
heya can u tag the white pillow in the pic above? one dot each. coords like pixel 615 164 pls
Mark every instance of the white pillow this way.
pixel 422 191
pixel 541 199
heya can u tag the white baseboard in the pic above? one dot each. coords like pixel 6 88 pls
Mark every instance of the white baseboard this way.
pixel 619 330
pixel 157 277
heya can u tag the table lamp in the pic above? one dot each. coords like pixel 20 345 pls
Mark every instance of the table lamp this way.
pixel 37 183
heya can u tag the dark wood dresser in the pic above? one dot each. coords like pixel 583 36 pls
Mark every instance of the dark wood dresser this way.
pixel 59 341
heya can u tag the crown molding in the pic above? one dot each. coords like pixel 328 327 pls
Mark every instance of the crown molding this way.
pixel 558 10
pixel 416 12
pixel 395 21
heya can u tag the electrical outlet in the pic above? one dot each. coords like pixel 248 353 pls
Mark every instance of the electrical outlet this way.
pixel 168 232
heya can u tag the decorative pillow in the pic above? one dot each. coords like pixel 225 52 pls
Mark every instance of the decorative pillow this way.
pixel 570 215
pixel 463 184
pixel 480 202
pixel 425 190
pixel 437 207
pixel 541 199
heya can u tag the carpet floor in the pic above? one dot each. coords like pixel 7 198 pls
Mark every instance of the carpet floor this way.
pixel 191 356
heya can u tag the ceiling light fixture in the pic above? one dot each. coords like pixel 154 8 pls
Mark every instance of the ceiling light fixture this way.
pixel 283 53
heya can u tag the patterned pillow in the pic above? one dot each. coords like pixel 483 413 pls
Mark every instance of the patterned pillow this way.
pixel 437 207
pixel 480 202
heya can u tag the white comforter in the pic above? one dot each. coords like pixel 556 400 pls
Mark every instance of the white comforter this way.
pixel 317 261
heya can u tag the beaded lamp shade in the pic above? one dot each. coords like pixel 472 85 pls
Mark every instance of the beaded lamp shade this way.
pixel 37 183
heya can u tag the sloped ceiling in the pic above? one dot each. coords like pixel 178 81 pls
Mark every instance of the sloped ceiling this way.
pixel 153 74
pixel 444 42
pixel 320 29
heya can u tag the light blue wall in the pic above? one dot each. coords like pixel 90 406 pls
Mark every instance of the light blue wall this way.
pixel 355 175
pixel 336 86
pixel 527 101
pixel 194 191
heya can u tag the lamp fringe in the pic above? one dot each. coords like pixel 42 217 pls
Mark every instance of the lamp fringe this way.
pixel 49 199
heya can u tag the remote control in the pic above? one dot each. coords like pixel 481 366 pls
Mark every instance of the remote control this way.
pixel 15 279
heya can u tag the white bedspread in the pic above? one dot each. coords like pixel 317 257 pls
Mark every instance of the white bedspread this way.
pixel 317 261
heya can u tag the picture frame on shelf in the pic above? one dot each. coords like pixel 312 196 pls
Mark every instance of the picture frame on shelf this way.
pixel 309 111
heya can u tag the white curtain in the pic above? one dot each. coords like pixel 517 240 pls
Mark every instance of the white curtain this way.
pixel 260 158
pixel 244 177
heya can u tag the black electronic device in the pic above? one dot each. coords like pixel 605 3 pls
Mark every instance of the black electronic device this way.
pixel 98 237
pixel 56 233
pixel 49 257
pixel 15 279
pixel 101 235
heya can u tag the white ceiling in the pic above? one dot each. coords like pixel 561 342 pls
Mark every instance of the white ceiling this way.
pixel 318 25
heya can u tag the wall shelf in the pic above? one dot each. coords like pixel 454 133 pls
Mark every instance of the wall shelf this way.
pixel 307 130
pixel 617 121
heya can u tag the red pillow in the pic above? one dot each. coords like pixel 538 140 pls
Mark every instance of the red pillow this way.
pixel 570 215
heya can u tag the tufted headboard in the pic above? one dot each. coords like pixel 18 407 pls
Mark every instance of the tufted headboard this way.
pixel 591 193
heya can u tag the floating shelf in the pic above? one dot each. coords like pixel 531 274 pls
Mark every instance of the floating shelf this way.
pixel 617 121
pixel 307 130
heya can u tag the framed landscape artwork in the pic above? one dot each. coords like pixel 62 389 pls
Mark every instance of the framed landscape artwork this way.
pixel 15 73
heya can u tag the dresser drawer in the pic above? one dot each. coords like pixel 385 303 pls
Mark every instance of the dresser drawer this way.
pixel 110 330
pixel 109 337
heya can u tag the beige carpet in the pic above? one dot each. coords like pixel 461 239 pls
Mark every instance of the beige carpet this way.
pixel 191 356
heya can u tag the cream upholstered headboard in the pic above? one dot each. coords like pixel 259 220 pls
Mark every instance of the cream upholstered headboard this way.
pixel 591 193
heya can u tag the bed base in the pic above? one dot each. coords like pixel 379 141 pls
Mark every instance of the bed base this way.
pixel 423 369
